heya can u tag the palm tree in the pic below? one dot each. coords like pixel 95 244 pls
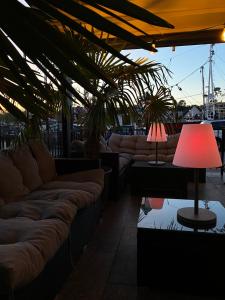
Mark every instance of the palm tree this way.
pixel 130 82
pixel 158 106
pixel 32 38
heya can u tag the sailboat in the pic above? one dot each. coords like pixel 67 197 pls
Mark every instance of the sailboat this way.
pixel 213 109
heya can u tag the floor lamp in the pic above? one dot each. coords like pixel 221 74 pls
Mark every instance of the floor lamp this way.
pixel 197 148
pixel 156 134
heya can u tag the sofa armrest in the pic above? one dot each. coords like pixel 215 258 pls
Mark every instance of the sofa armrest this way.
pixel 110 159
pixel 71 165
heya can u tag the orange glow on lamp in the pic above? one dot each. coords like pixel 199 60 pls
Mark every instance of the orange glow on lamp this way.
pixel 223 34
pixel 156 134
pixel 197 148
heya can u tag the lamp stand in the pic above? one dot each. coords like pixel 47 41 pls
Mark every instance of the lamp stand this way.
pixel 156 161
pixel 195 216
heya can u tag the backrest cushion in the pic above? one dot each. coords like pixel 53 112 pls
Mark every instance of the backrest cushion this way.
pixel 138 145
pixel 172 141
pixel 11 180
pixel 78 146
pixel 104 147
pixel 44 160
pixel 27 165
pixel 123 143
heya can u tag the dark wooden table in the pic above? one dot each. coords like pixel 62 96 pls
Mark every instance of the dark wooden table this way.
pixel 176 257
pixel 158 180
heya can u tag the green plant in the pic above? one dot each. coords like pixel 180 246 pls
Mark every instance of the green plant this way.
pixel 130 82
pixel 158 106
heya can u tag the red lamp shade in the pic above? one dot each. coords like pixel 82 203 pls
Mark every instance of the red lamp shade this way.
pixel 157 133
pixel 197 147
pixel 156 203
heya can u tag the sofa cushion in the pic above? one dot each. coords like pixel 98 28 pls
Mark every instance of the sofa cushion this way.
pixel 25 248
pixel 126 156
pixel 27 165
pixel 104 147
pixel 94 175
pixel 172 143
pixel 90 187
pixel 62 209
pixel 123 163
pixel 77 197
pixel 152 157
pixel 138 146
pixel 120 143
pixel 44 159
pixel 11 180
pixel 78 146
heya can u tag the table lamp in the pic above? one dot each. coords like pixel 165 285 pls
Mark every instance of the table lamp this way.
pixel 156 134
pixel 197 148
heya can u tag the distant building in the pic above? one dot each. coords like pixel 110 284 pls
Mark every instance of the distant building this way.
pixel 217 110
pixel 193 113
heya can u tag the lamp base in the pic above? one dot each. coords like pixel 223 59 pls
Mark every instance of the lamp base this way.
pixel 155 163
pixel 204 218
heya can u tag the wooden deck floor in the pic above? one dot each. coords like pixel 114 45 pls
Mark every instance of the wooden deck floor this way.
pixel 107 269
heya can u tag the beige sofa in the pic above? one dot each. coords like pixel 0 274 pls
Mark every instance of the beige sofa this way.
pixel 39 209
pixel 136 147
pixel 122 150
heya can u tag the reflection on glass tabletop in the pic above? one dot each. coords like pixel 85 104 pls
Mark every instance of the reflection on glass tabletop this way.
pixel 161 213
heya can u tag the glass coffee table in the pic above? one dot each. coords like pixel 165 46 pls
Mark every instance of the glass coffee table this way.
pixel 170 255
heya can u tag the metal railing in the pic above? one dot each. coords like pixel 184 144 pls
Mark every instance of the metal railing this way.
pixel 54 139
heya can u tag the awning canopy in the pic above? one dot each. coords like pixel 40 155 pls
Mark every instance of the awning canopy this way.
pixel 195 22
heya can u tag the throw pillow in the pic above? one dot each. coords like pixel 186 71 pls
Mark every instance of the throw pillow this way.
pixel 27 165
pixel 104 147
pixel 11 180
pixel 78 146
pixel 44 160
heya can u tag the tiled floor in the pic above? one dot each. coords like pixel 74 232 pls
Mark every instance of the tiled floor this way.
pixel 107 269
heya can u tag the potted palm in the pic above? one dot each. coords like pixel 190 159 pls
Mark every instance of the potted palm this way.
pixel 157 106
pixel 129 83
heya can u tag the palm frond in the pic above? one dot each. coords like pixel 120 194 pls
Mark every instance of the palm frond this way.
pixel 157 105
pixel 33 45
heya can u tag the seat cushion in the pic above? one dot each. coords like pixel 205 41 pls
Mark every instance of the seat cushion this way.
pixel 62 209
pixel 27 165
pixel 78 197
pixel 25 248
pixel 90 187
pixel 44 160
pixel 152 157
pixel 11 180
pixel 95 175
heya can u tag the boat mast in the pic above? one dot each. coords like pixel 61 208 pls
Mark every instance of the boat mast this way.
pixel 203 93
pixel 210 113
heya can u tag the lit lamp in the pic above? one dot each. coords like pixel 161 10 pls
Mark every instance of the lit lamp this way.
pixel 156 134
pixel 197 148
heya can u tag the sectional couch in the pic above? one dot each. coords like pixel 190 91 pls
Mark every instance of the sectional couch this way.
pixel 47 215
pixel 122 150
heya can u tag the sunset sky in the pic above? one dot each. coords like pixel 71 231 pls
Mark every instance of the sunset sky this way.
pixel 183 62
